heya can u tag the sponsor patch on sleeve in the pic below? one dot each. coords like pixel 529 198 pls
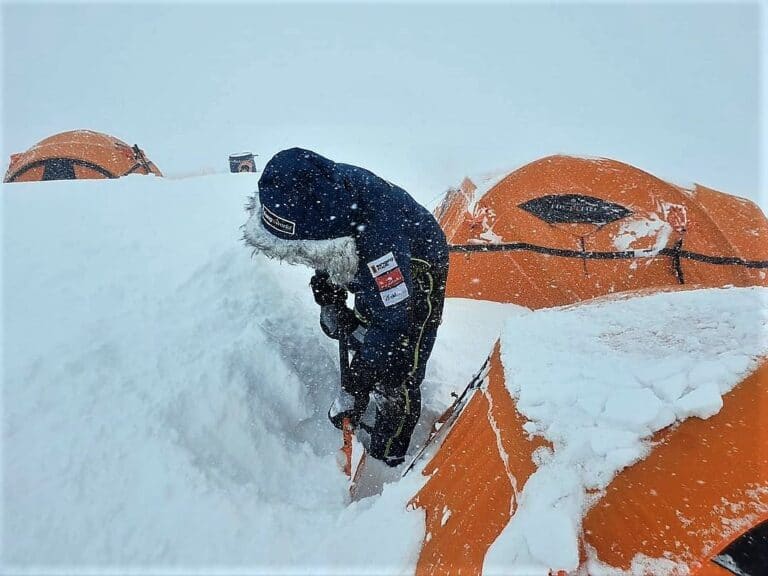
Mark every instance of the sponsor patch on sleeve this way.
pixel 282 225
pixel 394 295
pixel 389 279
pixel 382 265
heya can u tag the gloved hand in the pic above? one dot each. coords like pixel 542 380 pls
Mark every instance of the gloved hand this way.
pixel 331 321
pixel 347 405
pixel 334 319
pixel 366 376
pixel 327 293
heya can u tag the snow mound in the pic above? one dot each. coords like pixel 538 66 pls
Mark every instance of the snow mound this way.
pixel 165 393
pixel 597 380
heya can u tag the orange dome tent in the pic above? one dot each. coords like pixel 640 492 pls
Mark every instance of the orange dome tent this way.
pixel 79 154
pixel 564 229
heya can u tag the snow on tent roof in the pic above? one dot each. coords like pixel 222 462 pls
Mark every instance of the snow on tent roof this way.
pixel 566 458
pixel 78 154
pixel 565 229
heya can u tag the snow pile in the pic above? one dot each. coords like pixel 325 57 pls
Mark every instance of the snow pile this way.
pixel 597 381
pixel 165 394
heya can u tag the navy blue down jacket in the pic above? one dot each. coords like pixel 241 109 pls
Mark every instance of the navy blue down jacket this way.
pixel 305 196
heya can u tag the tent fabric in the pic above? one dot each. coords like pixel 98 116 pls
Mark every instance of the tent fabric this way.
pixel 79 154
pixel 469 477
pixel 702 486
pixel 697 491
pixel 565 229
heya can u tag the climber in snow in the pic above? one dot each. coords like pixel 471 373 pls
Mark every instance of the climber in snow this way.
pixel 367 236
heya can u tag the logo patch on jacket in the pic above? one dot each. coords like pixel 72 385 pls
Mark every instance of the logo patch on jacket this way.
pixel 389 279
pixel 282 225
pixel 394 295
pixel 383 264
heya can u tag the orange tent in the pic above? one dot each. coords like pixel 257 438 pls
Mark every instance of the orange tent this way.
pixel 78 154
pixel 564 229
pixel 703 486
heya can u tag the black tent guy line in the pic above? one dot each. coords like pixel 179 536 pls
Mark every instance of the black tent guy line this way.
pixel 619 255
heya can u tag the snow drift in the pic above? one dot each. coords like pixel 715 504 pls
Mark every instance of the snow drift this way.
pixel 164 394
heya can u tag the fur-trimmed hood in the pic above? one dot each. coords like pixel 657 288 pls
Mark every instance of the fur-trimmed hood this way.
pixel 337 256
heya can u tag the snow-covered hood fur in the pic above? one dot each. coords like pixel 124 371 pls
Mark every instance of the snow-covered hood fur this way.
pixel 337 256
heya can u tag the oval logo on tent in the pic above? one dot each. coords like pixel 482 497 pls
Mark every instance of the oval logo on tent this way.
pixel 575 209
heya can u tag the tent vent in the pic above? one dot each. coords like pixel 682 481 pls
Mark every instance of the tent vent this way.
pixel 575 209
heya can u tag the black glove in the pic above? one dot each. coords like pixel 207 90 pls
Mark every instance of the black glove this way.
pixel 334 321
pixel 364 377
pixel 327 293
pixel 346 405
pixel 388 373
pixel 354 395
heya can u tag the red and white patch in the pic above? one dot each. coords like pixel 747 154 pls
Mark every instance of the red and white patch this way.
pixel 389 279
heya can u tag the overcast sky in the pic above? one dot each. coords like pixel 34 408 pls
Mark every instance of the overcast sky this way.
pixel 421 95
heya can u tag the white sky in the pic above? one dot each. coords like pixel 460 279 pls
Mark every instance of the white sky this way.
pixel 422 95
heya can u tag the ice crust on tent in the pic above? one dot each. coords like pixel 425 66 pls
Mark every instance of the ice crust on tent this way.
pixel 641 564
pixel 597 381
pixel 637 229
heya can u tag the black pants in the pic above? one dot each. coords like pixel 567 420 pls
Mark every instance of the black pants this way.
pixel 398 405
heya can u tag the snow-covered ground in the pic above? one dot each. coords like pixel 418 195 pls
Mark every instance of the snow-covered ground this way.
pixel 165 394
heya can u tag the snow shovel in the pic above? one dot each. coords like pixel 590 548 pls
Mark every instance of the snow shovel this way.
pixel 347 431
pixel 352 452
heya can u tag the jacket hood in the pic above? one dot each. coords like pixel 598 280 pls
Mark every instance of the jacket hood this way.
pixel 303 197
pixel 337 256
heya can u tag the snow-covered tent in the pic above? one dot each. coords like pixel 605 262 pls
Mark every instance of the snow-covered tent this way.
pixel 690 491
pixel 79 154
pixel 621 435
pixel 565 229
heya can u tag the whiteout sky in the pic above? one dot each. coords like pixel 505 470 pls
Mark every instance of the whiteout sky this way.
pixel 422 95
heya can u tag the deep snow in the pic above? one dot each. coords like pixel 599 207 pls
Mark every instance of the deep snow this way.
pixel 164 393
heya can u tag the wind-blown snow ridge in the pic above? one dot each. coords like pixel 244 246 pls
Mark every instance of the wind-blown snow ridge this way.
pixel 597 380
pixel 165 393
